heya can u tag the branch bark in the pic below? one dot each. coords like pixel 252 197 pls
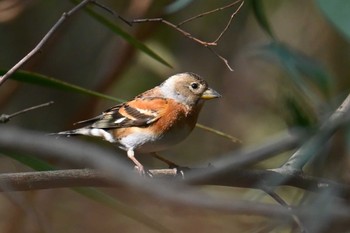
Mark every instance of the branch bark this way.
pixel 257 179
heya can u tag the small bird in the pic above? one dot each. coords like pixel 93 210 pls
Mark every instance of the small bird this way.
pixel 154 120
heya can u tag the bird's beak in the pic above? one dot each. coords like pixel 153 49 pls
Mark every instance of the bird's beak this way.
pixel 210 94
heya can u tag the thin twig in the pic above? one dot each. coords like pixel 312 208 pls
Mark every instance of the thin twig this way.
pixel 221 58
pixel 109 10
pixel 185 33
pixel 209 12
pixel 280 200
pixel 5 118
pixel 43 41
pixel 205 44
pixel 228 23
pixel 220 133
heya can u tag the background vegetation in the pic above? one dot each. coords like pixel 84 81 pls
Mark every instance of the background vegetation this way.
pixel 290 62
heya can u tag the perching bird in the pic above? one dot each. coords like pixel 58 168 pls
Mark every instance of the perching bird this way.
pixel 154 120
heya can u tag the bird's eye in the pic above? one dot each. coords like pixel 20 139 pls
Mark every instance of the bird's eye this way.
pixel 194 85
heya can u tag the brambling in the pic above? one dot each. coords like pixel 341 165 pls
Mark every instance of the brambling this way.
pixel 154 120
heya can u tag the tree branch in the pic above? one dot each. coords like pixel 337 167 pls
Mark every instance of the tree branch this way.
pixel 282 202
pixel 43 41
pixel 203 43
pixel 78 152
pixel 315 144
pixel 257 179
pixel 5 118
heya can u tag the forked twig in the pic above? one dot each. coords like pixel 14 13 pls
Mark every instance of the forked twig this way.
pixel 210 12
pixel 229 22
pixel 206 44
pixel 185 33
pixel 79 6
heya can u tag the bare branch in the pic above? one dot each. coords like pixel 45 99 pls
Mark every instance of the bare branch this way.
pixel 219 133
pixel 185 33
pixel 256 179
pixel 298 160
pixel 5 118
pixel 111 12
pixel 205 44
pixel 221 58
pixel 280 200
pixel 210 12
pixel 229 22
pixel 43 41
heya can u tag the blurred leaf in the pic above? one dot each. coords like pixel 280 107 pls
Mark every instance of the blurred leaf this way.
pixel 338 12
pixel 130 39
pixel 36 164
pixel 259 13
pixel 296 115
pixel 94 194
pixel 177 6
pixel 42 80
pixel 298 65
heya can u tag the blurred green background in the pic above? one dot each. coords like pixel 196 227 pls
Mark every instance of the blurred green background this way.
pixel 290 61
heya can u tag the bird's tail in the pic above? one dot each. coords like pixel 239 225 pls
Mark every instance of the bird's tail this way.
pixel 75 132
pixel 88 132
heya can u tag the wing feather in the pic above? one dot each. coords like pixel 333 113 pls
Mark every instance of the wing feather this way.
pixel 139 112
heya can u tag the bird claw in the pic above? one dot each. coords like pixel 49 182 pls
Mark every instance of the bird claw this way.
pixel 143 172
pixel 180 171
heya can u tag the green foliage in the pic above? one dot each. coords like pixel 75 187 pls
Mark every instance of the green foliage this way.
pixel 45 81
pixel 298 65
pixel 260 15
pixel 310 79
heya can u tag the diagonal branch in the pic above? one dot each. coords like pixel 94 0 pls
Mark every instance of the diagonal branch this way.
pixel 5 118
pixel 282 202
pixel 43 41
pixel 314 145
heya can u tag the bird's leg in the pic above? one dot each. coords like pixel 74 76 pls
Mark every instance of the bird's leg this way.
pixel 179 170
pixel 168 162
pixel 139 167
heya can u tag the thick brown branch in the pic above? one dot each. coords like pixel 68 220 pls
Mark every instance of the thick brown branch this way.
pixel 258 179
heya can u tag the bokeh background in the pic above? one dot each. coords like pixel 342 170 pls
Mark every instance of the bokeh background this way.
pixel 289 72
